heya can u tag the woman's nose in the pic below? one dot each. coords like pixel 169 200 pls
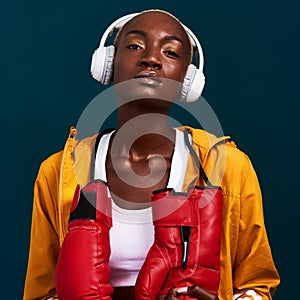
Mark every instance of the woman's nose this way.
pixel 151 59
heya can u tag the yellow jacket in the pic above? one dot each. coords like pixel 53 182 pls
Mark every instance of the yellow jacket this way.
pixel 246 259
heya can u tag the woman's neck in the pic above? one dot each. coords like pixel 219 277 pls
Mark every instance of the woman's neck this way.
pixel 157 109
pixel 143 126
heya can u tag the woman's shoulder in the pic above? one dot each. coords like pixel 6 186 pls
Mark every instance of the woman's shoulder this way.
pixel 72 146
pixel 207 141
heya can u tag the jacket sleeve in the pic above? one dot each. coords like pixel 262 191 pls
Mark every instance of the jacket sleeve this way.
pixel 44 241
pixel 254 273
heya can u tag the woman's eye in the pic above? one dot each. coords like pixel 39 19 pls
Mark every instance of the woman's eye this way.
pixel 171 53
pixel 134 46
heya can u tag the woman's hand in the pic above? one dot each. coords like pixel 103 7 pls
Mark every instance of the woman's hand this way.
pixel 195 291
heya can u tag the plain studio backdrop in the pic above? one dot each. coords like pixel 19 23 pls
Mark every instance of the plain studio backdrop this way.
pixel 252 64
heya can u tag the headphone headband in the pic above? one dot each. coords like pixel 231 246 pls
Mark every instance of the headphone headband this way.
pixel 117 24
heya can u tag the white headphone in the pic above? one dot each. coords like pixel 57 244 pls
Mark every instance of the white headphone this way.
pixel 102 62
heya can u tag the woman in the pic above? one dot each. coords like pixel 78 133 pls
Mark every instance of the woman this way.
pixel 152 55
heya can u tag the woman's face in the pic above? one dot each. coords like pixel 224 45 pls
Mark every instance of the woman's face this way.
pixel 151 47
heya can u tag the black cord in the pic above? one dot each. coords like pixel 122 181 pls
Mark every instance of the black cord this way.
pixel 196 158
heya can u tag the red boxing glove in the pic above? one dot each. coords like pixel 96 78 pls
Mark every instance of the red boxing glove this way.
pixel 186 249
pixel 82 270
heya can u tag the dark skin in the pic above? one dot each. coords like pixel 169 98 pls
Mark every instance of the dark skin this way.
pixel 151 42
pixel 195 292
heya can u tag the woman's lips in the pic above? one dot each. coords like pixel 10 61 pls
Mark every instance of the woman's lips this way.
pixel 149 78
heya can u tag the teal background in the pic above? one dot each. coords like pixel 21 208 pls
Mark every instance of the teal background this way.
pixel 252 70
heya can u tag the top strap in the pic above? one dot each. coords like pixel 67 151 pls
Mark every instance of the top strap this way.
pixel 99 136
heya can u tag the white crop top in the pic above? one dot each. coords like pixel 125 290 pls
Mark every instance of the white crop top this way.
pixel 132 233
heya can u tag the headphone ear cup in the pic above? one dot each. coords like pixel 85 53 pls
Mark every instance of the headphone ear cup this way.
pixel 102 64
pixel 192 85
